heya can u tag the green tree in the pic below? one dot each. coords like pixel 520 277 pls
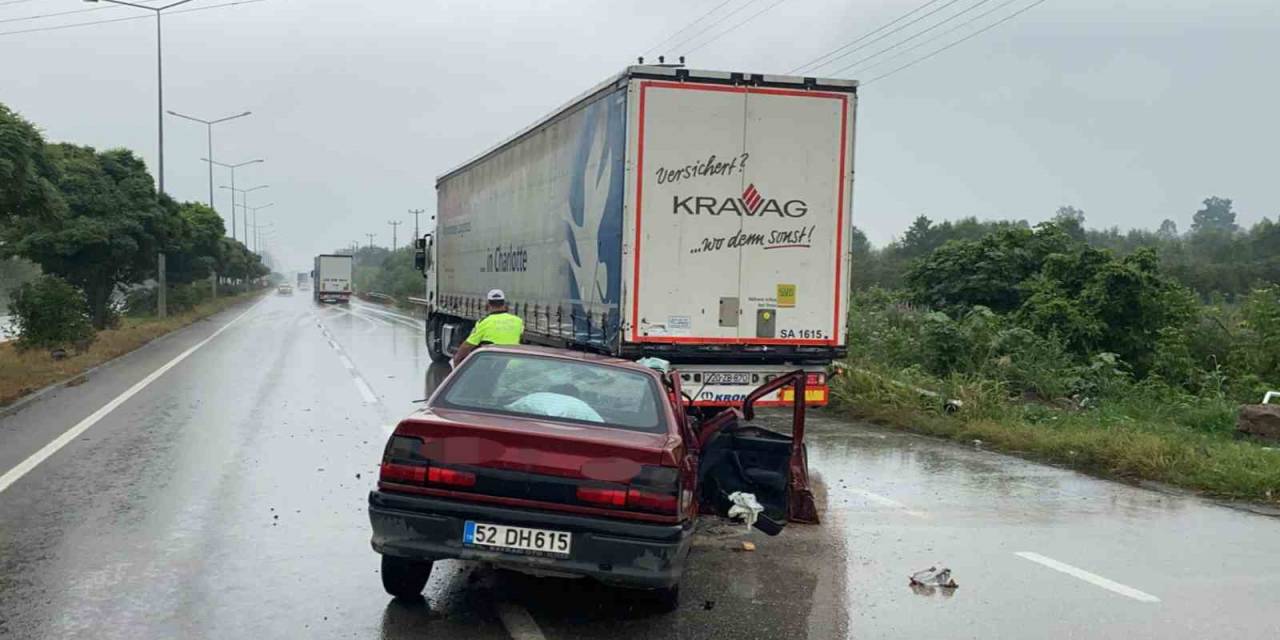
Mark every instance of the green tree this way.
pixel 28 194
pixel 1216 216
pixel 111 231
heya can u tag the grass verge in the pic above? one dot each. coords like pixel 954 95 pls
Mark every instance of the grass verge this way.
pixel 1140 436
pixel 23 372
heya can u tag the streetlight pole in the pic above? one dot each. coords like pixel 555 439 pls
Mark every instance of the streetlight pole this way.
pixel 159 75
pixel 209 127
pixel 257 238
pixel 244 206
pixel 233 168
pixel 370 239
pixel 394 224
pixel 416 213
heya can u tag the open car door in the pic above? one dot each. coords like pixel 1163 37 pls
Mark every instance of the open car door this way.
pixel 738 456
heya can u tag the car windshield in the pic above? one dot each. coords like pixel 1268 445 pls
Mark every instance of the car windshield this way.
pixel 571 390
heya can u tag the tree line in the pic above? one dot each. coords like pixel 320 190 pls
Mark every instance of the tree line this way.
pixel 93 220
pixel 1058 309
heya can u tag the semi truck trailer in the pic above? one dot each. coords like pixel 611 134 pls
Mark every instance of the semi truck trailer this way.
pixel 701 217
pixel 331 278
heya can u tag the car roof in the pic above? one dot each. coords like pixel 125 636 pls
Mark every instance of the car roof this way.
pixel 565 354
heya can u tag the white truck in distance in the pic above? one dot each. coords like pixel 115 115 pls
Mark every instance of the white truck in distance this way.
pixel 331 278
pixel 702 217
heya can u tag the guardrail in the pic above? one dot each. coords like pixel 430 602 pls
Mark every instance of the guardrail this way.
pixel 1266 399
pixel 422 302
pixel 380 296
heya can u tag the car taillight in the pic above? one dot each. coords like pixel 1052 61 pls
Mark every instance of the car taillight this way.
pixel 655 489
pixel 453 477
pixel 817 378
pixel 402 473
pixel 403 463
pixel 604 497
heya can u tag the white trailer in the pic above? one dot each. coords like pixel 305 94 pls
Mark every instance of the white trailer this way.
pixel 331 278
pixel 698 216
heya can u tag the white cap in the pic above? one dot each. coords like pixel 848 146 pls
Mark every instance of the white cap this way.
pixel 496 295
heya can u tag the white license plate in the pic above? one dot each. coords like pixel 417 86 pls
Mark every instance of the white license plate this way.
pixel 519 539
pixel 721 377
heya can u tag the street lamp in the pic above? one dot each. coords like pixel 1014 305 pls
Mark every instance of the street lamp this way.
pixel 244 205
pixel 159 74
pixel 257 238
pixel 209 126
pixel 232 167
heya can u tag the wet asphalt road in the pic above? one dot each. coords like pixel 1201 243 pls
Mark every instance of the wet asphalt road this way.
pixel 226 499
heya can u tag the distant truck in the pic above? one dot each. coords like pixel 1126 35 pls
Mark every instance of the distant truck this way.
pixel 303 280
pixel 701 217
pixel 331 279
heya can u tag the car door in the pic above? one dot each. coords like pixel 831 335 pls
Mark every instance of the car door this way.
pixel 738 456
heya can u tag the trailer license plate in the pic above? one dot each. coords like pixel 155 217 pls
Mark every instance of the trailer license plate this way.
pixel 517 539
pixel 722 377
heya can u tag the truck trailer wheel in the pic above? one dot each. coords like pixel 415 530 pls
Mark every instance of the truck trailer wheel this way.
pixel 435 345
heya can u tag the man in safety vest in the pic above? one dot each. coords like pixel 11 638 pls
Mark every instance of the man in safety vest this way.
pixel 499 327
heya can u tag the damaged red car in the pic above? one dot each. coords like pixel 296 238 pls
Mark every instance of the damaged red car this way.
pixel 560 463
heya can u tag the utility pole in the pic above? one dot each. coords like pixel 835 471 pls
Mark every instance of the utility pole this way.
pixel 416 213
pixel 370 239
pixel 394 224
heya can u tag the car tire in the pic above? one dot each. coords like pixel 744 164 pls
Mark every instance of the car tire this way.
pixel 435 349
pixel 404 578
pixel 668 599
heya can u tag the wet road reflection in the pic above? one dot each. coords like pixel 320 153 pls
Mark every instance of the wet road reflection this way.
pixel 228 500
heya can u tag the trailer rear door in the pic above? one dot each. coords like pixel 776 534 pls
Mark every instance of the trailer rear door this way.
pixel 742 211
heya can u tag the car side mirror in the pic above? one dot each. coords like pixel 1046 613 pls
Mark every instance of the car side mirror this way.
pixel 420 260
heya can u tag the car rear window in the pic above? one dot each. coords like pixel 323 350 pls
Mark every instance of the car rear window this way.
pixel 568 390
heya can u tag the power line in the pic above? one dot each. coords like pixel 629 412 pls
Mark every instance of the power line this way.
pixel 913 36
pixel 685 28
pixel 864 36
pixel 125 19
pixel 735 27
pixel 713 25
pixel 886 35
pixel 944 34
pixel 968 37
pixel 67 13
pixel 9 2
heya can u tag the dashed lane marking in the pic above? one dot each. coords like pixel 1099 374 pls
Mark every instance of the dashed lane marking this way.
pixel 25 467
pixel 365 391
pixel 519 624
pixel 886 501
pixel 1091 578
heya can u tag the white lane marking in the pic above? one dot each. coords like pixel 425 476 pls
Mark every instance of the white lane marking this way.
pixel 1092 578
pixel 333 345
pixel 519 624
pixel 409 321
pixel 346 362
pixel 364 389
pixel 25 467
pixel 886 501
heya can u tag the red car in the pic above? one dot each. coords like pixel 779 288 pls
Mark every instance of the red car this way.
pixel 562 463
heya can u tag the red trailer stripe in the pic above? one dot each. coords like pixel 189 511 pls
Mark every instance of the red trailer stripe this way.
pixel 635 278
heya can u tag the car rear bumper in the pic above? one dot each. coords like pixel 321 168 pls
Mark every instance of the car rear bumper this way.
pixel 630 554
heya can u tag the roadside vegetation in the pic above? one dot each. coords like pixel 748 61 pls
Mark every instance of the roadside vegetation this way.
pixel 23 371
pixel 1122 354
pixel 80 235
pixel 381 270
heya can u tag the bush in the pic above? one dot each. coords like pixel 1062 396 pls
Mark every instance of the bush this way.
pixel 50 313
pixel 142 302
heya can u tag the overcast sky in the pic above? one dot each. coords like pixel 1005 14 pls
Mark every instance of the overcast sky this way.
pixel 1132 111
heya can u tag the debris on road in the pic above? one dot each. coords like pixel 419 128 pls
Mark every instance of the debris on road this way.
pixel 747 546
pixel 745 506
pixel 933 577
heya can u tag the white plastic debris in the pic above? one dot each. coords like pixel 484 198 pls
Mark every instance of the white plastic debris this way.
pixel 933 577
pixel 555 405
pixel 745 506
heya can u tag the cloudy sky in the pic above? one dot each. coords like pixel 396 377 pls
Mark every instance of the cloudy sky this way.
pixel 1132 111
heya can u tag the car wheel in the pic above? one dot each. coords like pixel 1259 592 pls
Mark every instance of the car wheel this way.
pixel 435 348
pixel 404 578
